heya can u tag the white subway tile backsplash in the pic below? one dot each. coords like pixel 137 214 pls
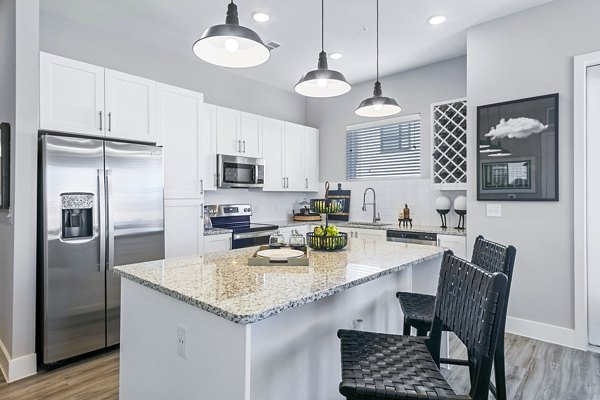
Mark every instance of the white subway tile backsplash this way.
pixel 391 197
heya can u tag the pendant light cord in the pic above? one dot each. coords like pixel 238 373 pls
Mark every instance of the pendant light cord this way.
pixel 377 40
pixel 322 25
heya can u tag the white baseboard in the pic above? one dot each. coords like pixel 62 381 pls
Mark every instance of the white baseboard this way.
pixel 17 368
pixel 544 332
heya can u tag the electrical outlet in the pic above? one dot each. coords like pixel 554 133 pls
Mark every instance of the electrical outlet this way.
pixel 182 342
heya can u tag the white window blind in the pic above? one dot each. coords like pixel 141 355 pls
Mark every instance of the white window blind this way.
pixel 387 149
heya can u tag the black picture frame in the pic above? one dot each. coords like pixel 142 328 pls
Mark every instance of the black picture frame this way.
pixel 517 150
pixel 4 165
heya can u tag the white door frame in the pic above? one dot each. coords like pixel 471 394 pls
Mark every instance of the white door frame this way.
pixel 581 63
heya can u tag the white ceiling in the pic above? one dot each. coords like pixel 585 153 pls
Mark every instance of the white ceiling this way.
pixel 406 39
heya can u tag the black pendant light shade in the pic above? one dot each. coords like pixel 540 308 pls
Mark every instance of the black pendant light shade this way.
pixel 323 82
pixel 378 105
pixel 231 45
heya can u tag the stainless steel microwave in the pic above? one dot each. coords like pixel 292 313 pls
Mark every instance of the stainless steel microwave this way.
pixel 240 172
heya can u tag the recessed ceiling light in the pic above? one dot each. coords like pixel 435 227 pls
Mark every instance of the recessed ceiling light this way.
pixel 261 16
pixel 437 19
pixel 336 56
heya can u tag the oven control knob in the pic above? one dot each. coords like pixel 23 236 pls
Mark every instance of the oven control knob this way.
pixel 246 209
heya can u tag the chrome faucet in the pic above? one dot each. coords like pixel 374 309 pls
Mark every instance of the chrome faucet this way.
pixel 376 216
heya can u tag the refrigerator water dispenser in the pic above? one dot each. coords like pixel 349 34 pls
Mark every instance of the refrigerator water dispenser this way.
pixel 77 216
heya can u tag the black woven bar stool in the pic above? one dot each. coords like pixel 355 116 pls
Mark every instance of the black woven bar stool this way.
pixel 470 301
pixel 418 308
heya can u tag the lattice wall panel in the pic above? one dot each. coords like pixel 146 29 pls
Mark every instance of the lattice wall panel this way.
pixel 449 124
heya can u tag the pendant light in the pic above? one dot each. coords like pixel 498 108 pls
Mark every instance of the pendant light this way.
pixel 230 44
pixel 323 82
pixel 378 105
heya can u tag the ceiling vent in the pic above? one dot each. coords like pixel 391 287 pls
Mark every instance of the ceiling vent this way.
pixel 272 45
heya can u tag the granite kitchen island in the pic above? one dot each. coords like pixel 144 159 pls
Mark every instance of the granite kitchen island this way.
pixel 259 333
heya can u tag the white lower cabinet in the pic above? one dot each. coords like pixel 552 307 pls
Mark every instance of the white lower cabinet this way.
pixel 216 243
pixel 458 244
pixel 184 227
pixel 287 231
pixel 357 233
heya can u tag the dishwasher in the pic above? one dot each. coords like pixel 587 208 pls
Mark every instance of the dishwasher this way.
pixel 412 237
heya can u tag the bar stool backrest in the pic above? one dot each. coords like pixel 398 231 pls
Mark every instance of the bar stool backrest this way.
pixel 470 301
pixel 494 257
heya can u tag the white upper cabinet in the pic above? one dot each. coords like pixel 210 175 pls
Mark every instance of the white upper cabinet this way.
pixel 311 159
pixel 130 104
pixel 291 154
pixel 208 149
pixel 273 154
pixel 228 131
pixel 86 99
pixel 71 95
pixel 179 124
pixel 252 135
pixel 238 133
pixel 293 158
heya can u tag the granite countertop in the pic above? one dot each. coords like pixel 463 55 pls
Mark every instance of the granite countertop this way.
pixel 385 226
pixel 216 231
pixel 224 284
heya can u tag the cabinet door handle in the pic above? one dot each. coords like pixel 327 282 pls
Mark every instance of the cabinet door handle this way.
pixel 216 182
pixel 283 182
pixel 244 143
pixel 306 183
pixel 239 146
pixel 202 186
pixel 287 183
pixel 110 121
pixel 100 120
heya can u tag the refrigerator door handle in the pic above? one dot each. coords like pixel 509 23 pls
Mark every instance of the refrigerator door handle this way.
pixel 110 221
pixel 101 220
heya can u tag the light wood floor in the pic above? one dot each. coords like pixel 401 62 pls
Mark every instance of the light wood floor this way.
pixel 95 378
pixel 535 371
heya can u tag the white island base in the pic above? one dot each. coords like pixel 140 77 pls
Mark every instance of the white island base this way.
pixel 292 355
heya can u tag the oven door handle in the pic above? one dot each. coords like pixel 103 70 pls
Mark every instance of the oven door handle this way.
pixel 251 235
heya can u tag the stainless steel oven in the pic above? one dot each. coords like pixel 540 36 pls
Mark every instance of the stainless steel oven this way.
pixel 237 218
pixel 240 172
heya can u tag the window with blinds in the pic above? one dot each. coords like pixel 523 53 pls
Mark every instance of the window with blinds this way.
pixel 386 149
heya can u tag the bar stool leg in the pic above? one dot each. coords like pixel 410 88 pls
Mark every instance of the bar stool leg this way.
pixel 500 371
pixel 406 328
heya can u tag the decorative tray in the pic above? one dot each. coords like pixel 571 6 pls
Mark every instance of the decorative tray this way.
pixel 285 256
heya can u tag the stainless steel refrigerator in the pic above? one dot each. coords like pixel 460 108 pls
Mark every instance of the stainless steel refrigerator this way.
pixel 100 205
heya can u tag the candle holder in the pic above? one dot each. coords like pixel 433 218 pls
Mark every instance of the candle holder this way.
pixel 442 206
pixel 460 208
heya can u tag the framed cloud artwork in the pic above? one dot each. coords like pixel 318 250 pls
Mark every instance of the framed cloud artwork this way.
pixel 517 150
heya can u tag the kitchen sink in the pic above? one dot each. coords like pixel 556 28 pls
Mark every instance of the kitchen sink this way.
pixel 359 224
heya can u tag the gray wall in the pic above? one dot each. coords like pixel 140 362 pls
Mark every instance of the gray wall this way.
pixel 7 114
pixel 19 106
pixel 523 55
pixel 70 39
pixel 414 90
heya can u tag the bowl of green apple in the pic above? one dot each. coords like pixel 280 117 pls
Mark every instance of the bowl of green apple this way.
pixel 326 238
